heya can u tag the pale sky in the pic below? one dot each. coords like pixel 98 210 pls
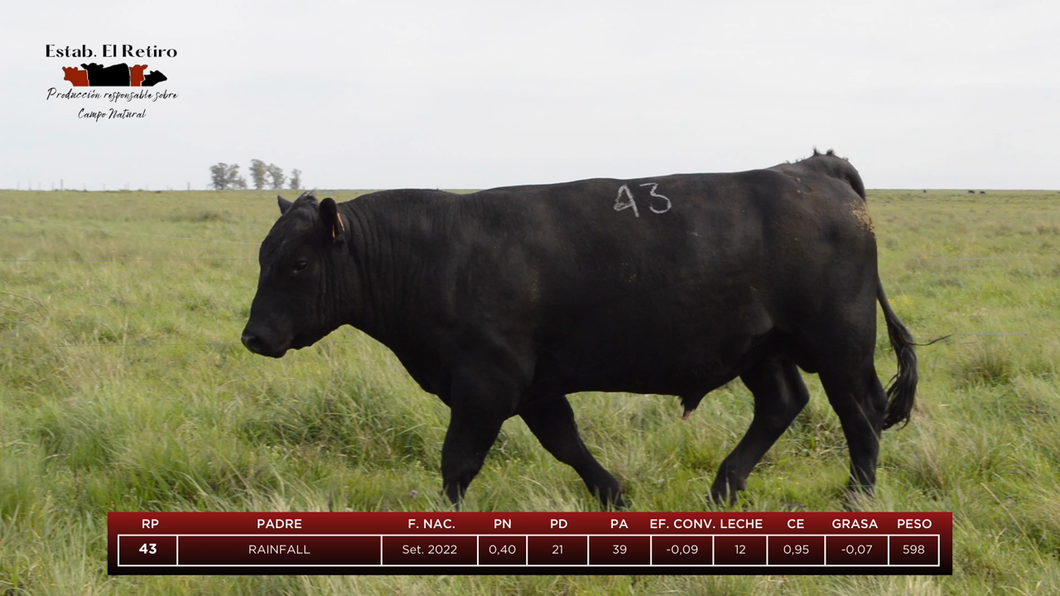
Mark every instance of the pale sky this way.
pixel 481 94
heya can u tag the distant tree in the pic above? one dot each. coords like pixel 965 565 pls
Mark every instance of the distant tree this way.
pixel 218 178
pixel 296 179
pixel 276 173
pixel 258 170
pixel 239 183
pixel 226 176
pixel 234 180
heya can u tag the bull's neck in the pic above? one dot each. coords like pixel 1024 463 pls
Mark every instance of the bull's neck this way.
pixel 374 295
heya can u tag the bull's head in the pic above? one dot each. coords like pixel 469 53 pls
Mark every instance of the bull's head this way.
pixel 296 302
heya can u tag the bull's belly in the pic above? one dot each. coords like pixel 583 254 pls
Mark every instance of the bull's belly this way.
pixel 681 364
pixel 688 381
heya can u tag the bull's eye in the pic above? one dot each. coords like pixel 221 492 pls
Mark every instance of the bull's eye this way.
pixel 301 266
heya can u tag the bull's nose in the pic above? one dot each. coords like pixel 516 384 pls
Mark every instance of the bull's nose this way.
pixel 253 342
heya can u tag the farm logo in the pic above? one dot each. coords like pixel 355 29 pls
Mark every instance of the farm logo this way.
pixel 85 79
pixel 118 75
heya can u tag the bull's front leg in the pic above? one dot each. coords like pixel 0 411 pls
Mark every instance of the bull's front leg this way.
pixel 478 409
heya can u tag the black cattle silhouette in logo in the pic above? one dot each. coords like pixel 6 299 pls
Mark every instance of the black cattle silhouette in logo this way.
pixel 153 77
pixel 120 75
pixel 109 76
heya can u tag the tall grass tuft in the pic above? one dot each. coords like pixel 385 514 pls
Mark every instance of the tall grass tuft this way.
pixel 984 363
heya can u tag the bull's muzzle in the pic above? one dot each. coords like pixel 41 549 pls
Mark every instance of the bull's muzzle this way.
pixel 256 344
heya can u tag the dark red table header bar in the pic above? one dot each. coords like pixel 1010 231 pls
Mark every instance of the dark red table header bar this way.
pixel 528 523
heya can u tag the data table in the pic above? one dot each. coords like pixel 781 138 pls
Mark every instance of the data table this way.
pixel 180 543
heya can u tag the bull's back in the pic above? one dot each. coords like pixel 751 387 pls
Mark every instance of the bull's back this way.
pixel 658 285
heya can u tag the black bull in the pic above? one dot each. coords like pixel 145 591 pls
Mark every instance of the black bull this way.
pixel 504 301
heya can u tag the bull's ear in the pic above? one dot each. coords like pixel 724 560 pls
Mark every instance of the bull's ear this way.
pixel 329 214
pixel 284 204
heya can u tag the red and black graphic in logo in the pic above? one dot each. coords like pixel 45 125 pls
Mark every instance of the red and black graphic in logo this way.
pixel 117 75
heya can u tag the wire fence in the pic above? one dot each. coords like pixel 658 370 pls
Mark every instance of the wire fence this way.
pixel 120 345
pixel 941 338
pixel 106 231
pixel 1038 258
pixel 208 259
pixel 167 260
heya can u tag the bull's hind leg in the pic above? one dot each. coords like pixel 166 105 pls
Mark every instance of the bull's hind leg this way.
pixel 551 420
pixel 779 396
pixel 858 398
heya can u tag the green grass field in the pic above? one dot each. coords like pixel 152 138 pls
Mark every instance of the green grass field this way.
pixel 123 387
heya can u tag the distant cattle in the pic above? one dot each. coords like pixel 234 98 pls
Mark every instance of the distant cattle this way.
pixel 76 76
pixel 502 302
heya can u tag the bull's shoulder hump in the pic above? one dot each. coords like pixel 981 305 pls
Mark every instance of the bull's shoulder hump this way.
pixel 402 203
pixel 525 190
pixel 406 194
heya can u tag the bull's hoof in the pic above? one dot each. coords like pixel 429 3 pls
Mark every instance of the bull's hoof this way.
pixel 724 494
pixel 611 500
pixel 858 497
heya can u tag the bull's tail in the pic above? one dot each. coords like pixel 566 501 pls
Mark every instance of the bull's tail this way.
pixel 901 392
pixel 854 179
